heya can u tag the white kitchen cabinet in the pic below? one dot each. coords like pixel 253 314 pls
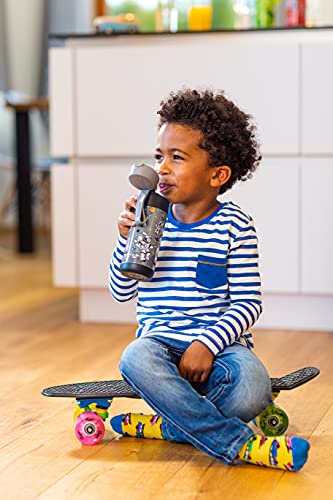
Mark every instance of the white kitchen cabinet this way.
pixel 271 197
pixel 64 225
pixel 316 223
pixel 62 113
pixel 119 88
pixel 316 98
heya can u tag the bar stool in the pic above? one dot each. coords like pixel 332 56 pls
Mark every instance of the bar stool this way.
pixel 22 108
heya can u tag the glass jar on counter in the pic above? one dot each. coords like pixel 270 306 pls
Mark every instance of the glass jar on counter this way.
pixel 200 15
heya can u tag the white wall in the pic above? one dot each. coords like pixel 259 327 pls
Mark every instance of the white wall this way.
pixel 24 20
pixel 70 16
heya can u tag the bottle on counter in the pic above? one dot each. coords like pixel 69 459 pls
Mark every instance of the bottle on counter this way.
pixel 295 12
pixel 183 7
pixel 245 14
pixel 223 14
pixel 279 14
pixel 311 17
pixel 200 15
pixel 167 16
pixel 265 13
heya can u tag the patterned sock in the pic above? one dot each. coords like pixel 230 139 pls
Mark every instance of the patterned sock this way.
pixel 138 425
pixel 282 452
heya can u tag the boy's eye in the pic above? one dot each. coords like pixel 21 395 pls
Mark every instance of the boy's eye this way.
pixel 177 157
pixel 158 157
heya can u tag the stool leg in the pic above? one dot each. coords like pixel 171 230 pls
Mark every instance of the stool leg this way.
pixel 23 169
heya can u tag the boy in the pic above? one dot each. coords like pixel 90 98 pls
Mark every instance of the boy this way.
pixel 192 360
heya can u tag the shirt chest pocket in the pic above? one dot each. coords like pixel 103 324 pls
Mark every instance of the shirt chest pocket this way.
pixel 211 272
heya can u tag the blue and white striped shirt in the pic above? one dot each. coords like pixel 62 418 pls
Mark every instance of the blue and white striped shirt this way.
pixel 206 284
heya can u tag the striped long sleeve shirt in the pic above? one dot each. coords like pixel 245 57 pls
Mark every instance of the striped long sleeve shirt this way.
pixel 206 284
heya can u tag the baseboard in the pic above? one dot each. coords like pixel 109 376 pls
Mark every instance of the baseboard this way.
pixel 97 306
pixel 293 312
pixel 297 312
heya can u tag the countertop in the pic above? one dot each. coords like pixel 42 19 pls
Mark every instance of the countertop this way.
pixel 64 36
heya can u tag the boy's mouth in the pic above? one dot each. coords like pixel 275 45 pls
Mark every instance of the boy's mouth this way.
pixel 164 188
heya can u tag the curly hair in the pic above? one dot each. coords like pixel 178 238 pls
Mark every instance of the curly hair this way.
pixel 228 134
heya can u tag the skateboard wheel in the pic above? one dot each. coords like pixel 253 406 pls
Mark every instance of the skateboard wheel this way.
pixel 273 421
pixel 89 428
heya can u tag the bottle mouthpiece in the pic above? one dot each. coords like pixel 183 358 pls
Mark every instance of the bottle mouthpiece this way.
pixel 143 176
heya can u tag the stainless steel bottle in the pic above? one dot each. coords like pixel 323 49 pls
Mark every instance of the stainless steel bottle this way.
pixel 144 238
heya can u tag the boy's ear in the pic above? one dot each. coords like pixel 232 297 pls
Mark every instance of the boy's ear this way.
pixel 220 175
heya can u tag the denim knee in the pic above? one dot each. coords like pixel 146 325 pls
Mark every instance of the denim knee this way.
pixel 128 362
pixel 256 394
pixel 139 359
pixel 248 394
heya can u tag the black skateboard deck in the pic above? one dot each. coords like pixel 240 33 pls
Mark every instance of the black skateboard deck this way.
pixel 120 389
pixel 294 379
pixel 101 389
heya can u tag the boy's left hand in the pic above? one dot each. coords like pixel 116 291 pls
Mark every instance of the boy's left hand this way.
pixel 196 363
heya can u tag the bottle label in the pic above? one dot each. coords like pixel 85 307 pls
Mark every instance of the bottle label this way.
pixel 144 240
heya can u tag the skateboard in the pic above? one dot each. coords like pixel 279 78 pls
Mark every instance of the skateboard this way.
pixel 93 400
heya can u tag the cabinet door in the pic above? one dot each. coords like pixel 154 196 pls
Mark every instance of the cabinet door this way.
pixel 119 87
pixel 317 235
pixel 102 191
pixel 64 233
pixel 317 101
pixel 61 102
pixel 271 197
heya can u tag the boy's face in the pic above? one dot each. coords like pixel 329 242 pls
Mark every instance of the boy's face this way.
pixel 182 166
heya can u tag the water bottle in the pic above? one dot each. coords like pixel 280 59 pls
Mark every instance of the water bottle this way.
pixel 144 238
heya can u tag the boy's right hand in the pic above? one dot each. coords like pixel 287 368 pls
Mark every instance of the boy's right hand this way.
pixel 126 218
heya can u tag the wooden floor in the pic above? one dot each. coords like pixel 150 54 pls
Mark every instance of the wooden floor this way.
pixel 43 344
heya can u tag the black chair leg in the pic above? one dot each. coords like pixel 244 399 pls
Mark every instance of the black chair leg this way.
pixel 25 242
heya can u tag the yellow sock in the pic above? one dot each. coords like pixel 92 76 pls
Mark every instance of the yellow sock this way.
pixel 138 425
pixel 281 452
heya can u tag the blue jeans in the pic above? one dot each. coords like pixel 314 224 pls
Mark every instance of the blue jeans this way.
pixel 210 415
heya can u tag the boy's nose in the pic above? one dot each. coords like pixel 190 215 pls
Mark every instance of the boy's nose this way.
pixel 162 168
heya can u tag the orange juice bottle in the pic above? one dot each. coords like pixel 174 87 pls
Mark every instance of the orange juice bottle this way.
pixel 200 15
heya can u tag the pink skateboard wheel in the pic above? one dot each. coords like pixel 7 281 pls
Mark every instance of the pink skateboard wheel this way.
pixel 89 428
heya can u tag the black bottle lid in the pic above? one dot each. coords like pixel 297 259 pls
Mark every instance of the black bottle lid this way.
pixel 158 201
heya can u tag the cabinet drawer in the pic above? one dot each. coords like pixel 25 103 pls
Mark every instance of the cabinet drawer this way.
pixel 317 101
pixel 64 229
pixel 317 236
pixel 119 88
pixel 272 199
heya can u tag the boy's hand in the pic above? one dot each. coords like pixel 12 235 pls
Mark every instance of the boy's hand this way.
pixel 196 363
pixel 127 217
